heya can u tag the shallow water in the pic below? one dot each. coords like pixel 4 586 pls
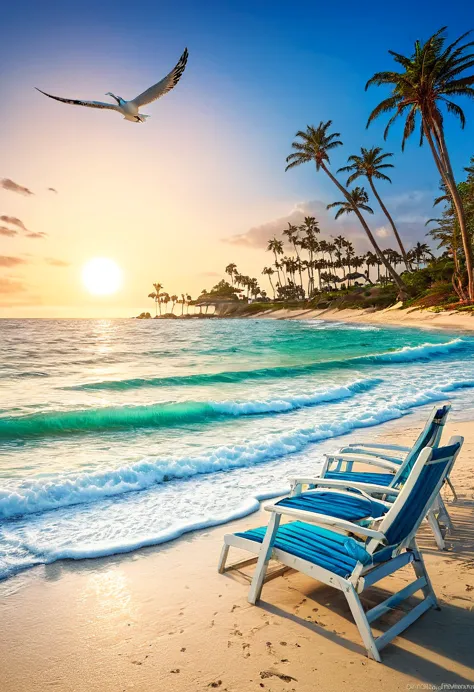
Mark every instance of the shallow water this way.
pixel 121 433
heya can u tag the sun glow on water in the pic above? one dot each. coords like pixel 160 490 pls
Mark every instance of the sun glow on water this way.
pixel 102 276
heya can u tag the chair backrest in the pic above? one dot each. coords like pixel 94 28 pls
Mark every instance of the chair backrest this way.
pixel 430 436
pixel 409 509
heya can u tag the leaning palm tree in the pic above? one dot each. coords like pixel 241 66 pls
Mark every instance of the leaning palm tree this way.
pixel 315 145
pixel 369 165
pixel 429 79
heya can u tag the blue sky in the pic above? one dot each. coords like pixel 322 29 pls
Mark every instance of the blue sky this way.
pixel 257 72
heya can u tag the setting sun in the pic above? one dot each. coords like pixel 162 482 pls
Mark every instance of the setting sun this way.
pixel 102 276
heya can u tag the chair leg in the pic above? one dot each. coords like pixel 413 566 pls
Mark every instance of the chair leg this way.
pixel 362 623
pixel 433 522
pixel 455 495
pixel 420 571
pixel 223 558
pixel 445 516
pixel 263 558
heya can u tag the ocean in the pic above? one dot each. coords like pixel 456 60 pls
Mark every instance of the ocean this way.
pixel 118 434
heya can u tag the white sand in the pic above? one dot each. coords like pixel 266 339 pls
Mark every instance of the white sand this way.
pixel 163 619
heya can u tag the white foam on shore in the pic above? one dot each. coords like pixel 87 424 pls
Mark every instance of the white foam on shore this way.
pixel 45 494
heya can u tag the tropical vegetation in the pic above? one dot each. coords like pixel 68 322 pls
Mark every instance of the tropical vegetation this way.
pixel 305 264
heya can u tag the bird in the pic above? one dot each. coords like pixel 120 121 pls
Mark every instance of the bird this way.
pixel 130 109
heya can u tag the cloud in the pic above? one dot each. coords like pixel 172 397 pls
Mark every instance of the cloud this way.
pixel 257 237
pixel 52 189
pixel 11 286
pixel 10 185
pixel 56 262
pixel 10 232
pixel 36 234
pixel 410 211
pixel 14 221
pixel 6 261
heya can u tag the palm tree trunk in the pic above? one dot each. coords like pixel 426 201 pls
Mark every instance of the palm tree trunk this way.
pixel 447 175
pixel 392 223
pixel 273 287
pixel 403 291
pixel 277 267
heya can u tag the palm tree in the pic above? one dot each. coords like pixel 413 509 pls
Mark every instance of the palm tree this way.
pixel 370 261
pixel 292 234
pixel 268 271
pixel 156 296
pixel 358 198
pixel 369 165
pixel 428 80
pixel 174 298
pixel 183 301
pixel 153 296
pixel 421 252
pixel 276 246
pixel 231 270
pixel 315 144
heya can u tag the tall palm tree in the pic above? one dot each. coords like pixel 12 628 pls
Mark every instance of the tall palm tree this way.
pixel 174 298
pixel 231 270
pixel 268 271
pixel 370 261
pixel 429 79
pixel 315 144
pixel 156 296
pixel 276 246
pixel 369 165
pixel 358 198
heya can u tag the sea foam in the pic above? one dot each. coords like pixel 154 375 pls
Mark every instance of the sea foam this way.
pixel 108 418
pixel 44 494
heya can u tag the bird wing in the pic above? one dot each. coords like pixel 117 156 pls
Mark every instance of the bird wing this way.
pixel 165 85
pixel 76 102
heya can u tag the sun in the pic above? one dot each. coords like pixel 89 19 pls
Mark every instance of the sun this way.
pixel 102 276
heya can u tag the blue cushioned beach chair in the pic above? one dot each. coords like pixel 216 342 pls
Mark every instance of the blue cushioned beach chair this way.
pixel 351 557
pixel 397 463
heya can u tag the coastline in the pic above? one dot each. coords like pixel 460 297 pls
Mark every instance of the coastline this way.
pixel 409 317
pixel 162 618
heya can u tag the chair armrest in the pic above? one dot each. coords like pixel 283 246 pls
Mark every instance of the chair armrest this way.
pixel 324 520
pixel 364 459
pixel 371 452
pixel 336 483
pixel 373 445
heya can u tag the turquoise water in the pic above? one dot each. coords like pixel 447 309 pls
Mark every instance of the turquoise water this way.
pixel 119 433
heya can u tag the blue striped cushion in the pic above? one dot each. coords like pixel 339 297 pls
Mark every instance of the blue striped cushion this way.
pixel 333 551
pixel 353 507
pixel 361 477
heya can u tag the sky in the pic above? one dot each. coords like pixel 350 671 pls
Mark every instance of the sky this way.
pixel 202 183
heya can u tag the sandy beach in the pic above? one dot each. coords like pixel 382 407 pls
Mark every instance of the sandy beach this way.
pixel 410 317
pixel 163 619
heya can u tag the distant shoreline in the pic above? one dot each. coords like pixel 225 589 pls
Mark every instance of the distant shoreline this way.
pixel 395 316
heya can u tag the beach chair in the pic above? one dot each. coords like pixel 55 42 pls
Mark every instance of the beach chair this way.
pixel 393 459
pixel 340 466
pixel 351 557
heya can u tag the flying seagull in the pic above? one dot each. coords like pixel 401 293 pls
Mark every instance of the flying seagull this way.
pixel 129 109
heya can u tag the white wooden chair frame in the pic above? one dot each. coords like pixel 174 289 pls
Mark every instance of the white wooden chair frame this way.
pixel 362 576
pixel 373 454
